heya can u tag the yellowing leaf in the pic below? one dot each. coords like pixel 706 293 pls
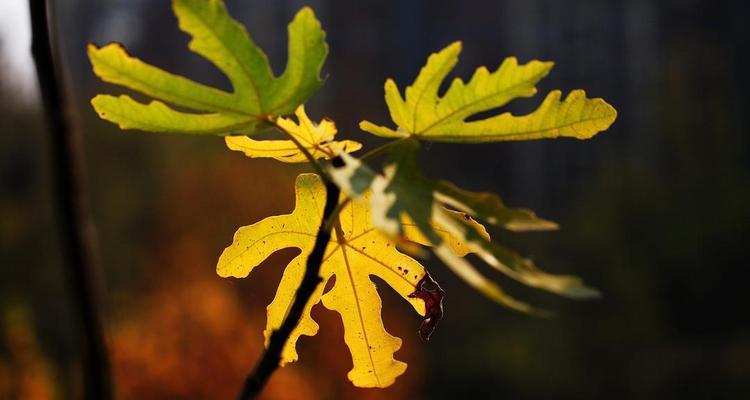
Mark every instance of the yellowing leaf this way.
pixel 402 199
pixel 316 138
pixel 258 96
pixel 426 116
pixel 356 252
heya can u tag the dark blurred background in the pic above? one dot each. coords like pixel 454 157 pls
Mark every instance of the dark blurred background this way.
pixel 654 212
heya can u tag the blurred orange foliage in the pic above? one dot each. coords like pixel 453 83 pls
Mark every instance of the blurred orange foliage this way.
pixel 25 373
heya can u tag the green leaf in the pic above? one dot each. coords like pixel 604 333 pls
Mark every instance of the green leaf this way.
pixel 427 116
pixel 257 98
pixel 402 197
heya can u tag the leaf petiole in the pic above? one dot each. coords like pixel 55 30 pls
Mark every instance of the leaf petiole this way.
pixel 381 149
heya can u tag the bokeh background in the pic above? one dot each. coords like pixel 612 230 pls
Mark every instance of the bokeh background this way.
pixel 654 212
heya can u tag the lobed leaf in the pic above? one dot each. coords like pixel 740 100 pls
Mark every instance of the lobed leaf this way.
pixel 257 97
pixel 316 138
pixel 158 117
pixel 425 115
pixel 356 252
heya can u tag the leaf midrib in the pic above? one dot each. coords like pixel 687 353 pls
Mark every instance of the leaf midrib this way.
pixel 490 136
pixel 231 53
pixel 236 126
pixel 208 106
pixel 359 314
pixel 421 94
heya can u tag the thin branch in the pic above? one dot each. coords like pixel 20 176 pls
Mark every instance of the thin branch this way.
pixel 334 216
pixel 77 230
pixel 271 357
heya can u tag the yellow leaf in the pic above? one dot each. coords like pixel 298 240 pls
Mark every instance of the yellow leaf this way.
pixel 427 116
pixel 456 245
pixel 356 252
pixel 317 139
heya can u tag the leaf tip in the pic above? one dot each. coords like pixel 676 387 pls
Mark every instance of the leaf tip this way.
pixel 603 114
pixel 306 15
pixel 610 111
pixel 555 95
pixel 305 12
pixel 382 131
pixel 535 224
pixel 450 51
pixel 585 293
pixel 545 66
pixel 91 48
pixel 97 103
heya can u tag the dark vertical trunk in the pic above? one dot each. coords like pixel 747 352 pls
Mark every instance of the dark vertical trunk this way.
pixel 76 229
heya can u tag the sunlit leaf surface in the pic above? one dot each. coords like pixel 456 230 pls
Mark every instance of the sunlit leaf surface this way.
pixel 257 97
pixel 356 252
pixel 316 138
pixel 426 115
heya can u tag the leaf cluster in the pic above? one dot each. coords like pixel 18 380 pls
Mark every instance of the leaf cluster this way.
pixel 386 211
